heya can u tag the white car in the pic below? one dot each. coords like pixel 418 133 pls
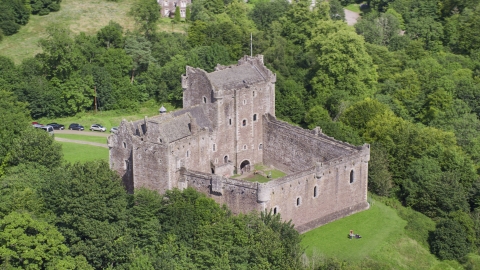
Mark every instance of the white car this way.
pixel 114 130
pixel 97 127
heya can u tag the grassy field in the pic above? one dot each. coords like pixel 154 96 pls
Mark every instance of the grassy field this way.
pixel 384 243
pixel 73 152
pixel 353 7
pixel 79 16
pixel 81 137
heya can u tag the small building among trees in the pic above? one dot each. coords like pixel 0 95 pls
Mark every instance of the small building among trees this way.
pixel 169 7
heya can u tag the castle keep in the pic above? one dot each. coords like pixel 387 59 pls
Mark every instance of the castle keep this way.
pixel 227 126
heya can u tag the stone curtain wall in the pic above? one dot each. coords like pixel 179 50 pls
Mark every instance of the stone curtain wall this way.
pixel 240 196
pixel 322 197
pixel 294 149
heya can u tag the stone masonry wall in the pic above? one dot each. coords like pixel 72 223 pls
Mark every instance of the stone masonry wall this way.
pixel 240 196
pixel 294 149
pixel 311 200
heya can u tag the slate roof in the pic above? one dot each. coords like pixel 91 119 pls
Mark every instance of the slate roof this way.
pixel 198 113
pixel 236 76
pixel 174 128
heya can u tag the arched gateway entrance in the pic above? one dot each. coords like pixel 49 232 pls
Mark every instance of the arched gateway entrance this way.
pixel 245 166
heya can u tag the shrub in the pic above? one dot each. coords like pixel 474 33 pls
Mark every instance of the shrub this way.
pixel 9 27
pixel 54 7
pixel 449 240
pixel 44 11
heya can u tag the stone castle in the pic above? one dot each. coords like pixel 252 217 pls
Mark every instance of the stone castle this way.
pixel 226 129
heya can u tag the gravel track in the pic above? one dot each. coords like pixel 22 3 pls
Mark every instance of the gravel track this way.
pixel 351 17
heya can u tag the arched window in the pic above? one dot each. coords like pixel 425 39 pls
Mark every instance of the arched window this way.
pixel 204 100
pixel 298 201
pixel 255 117
pixel 260 146
pixel 275 210
pixel 244 122
pixel 315 192
pixel 225 159
pixel 124 145
pixel 352 177
pixel 230 121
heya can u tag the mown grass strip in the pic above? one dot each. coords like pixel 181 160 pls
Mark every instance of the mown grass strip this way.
pixel 73 152
pixel 81 137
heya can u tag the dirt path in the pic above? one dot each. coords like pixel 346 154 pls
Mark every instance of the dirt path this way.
pixel 87 133
pixel 351 17
pixel 104 145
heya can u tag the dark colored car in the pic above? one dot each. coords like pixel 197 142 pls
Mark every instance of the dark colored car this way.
pixel 56 126
pixel 75 126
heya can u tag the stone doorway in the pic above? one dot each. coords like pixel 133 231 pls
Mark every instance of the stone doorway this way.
pixel 244 167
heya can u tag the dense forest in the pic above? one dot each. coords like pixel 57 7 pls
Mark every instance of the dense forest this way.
pixel 405 78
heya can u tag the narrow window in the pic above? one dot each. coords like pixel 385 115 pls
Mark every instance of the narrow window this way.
pixel 260 146
pixel 225 159
pixel 126 164
pixel 254 93
pixel 160 140
pixel 244 122
pixel 244 147
pixel 315 192
pixel 275 210
pixel 204 100
pixel 188 153
pixel 124 145
pixel 352 177
pixel 255 117
pixel 213 147
pixel 230 121
pixel 244 101
pixel 298 201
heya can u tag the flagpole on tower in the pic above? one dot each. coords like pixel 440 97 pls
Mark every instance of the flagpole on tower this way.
pixel 251 48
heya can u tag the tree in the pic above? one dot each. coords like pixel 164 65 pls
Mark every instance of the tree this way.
pixel 36 146
pixel 344 70
pixel 264 13
pixel 60 55
pixel 379 177
pixel 146 14
pixel 111 35
pixel 28 243
pixel 449 240
pixel 90 204
pixel 139 49
pixel 177 15
pixel 14 120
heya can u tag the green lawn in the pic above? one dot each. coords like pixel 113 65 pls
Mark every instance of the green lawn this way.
pixel 80 16
pixel 73 152
pixel 81 137
pixel 353 7
pixel 87 16
pixel 384 243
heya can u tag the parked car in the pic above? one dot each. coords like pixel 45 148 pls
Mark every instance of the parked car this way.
pixel 75 126
pixel 114 130
pixel 48 129
pixel 97 127
pixel 36 123
pixel 56 126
